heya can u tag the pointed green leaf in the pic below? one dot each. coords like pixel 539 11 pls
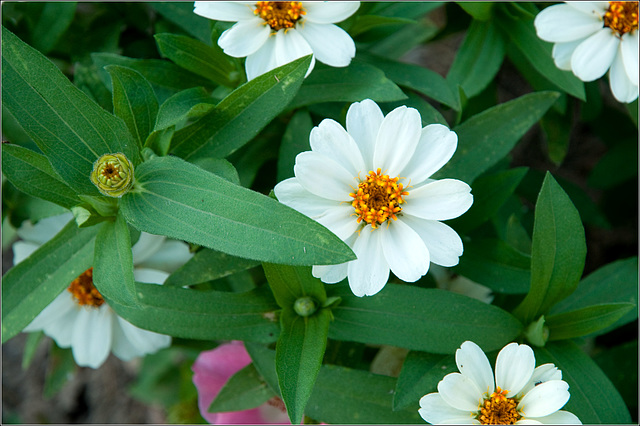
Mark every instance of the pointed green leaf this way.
pixel 32 284
pixel 52 24
pixel 183 201
pixel 581 322
pixel 364 23
pixel 183 105
pixel 208 265
pixel 133 101
pixel 181 14
pixel 69 128
pixel 243 391
pixel 557 254
pixel 479 10
pixel 32 174
pixel 240 116
pixel 294 141
pixel 290 283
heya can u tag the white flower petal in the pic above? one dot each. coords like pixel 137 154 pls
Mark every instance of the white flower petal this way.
pixel 444 244
pixel 595 8
pixel 473 363
pixel 544 399
pixel 329 12
pixel 370 272
pixel 621 87
pixel 52 312
pixel 434 410
pixel 340 220
pixel 131 342
pixel 330 139
pixel 404 251
pixel 92 336
pixel 330 274
pixel 263 60
pixel 528 422
pixel 331 44
pixel 363 123
pixel 460 392
pixel 171 255
pixel 514 367
pixel 290 45
pixel 44 230
pixel 629 51
pixel 146 246
pixel 439 200
pixel 292 194
pixel 562 53
pixel 244 38
pixel 397 140
pixel 541 374
pixel 560 417
pixel 562 23
pixel 224 10
pixel 22 250
pixel 323 176
pixel 152 276
pixel 62 329
pixel 593 57
pixel 436 146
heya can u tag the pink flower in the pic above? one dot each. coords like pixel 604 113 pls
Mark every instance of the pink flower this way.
pixel 211 371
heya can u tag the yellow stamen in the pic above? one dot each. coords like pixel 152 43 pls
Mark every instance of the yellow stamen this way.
pixel 497 409
pixel 83 290
pixel 378 198
pixel 622 16
pixel 280 14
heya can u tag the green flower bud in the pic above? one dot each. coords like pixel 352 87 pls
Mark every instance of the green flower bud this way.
pixel 305 306
pixel 537 333
pixel 113 174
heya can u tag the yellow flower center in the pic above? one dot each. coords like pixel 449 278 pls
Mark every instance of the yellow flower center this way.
pixel 622 16
pixel 83 290
pixel 499 410
pixel 378 198
pixel 280 14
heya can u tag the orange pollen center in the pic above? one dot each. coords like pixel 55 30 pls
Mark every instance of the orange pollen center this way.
pixel 378 198
pixel 280 14
pixel 83 290
pixel 497 409
pixel 622 16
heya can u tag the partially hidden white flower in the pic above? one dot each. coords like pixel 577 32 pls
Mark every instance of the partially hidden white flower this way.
pixel 447 280
pixel 369 185
pixel 593 37
pixel 79 318
pixel 273 33
pixel 520 393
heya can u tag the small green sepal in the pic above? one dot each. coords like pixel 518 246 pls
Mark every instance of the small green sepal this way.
pixel 537 333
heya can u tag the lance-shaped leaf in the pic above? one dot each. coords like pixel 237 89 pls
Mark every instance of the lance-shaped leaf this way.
pixel 487 137
pixel 208 265
pixel 594 399
pixel 52 23
pixel 69 128
pixel 133 101
pixel 581 322
pixel 183 105
pixel 240 116
pixel 113 262
pixel 32 174
pixel 429 320
pixel 557 254
pixel 185 202
pixel 181 14
pixel 203 315
pixel 32 284
pixel 243 391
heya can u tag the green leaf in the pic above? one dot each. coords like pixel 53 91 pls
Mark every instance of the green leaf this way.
pixel 299 353
pixel 60 370
pixel 290 283
pixel 52 24
pixel 69 128
pixel 429 320
pixel 134 101
pixel 399 42
pixel 614 167
pixel 86 77
pixel 159 141
pixel 186 104
pixel 30 347
pixel 523 36
pixel 240 116
pixel 420 79
pixel 616 282
pixel 479 10
pixel 364 23
pixel 486 138
pixel 31 285
pixel 349 84
pixel 557 129
pixel 478 59
pixel 594 399
pixel 495 264
pixel 428 114
pixel 32 174
pixel 193 55
pixel 220 167
pixel 113 262
pixel 185 202
pixel 243 391
pixel 294 141
pixel 419 376
pixel 581 322
pixel 557 254
pixel 181 14
pixel 203 315
pixel 620 364
pixel 208 265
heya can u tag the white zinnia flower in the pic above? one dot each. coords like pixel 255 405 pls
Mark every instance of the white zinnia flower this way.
pixel 79 318
pixel 273 33
pixel 593 37
pixel 390 216
pixel 521 394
